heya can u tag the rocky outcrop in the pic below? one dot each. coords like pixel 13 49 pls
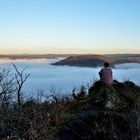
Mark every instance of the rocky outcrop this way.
pixel 114 116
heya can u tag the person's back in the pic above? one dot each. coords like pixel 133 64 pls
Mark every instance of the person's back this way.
pixel 106 74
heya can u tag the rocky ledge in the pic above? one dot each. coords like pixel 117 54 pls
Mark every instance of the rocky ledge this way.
pixel 114 114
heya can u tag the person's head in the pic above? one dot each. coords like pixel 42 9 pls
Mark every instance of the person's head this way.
pixel 106 64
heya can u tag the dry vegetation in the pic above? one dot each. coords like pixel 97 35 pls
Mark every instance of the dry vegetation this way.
pixel 99 107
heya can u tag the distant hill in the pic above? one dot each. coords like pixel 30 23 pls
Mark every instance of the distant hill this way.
pixel 87 60
pixel 98 60
pixel 32 56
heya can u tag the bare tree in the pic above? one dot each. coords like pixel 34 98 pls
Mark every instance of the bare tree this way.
pixel 6 88
pixel 20 77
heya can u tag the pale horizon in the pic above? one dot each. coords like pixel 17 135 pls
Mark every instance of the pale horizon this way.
pixel 67 51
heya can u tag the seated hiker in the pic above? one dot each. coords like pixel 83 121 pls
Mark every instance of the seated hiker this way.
pixel 106 74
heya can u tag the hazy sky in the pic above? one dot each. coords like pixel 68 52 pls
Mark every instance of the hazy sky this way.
pixel 69 26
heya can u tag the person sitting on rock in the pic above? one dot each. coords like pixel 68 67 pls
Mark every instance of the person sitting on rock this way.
pixel 106 74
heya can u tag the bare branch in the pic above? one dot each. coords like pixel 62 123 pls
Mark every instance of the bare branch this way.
pixel 20 78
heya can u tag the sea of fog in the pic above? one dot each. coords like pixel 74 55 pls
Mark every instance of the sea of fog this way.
pixel 46 77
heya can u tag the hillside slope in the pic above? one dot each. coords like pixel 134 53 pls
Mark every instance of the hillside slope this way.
pixel 98 112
